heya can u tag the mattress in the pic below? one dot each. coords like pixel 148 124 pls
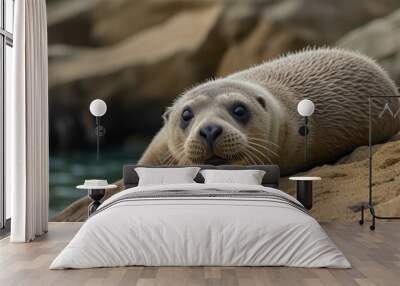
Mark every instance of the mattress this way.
pixel 201 225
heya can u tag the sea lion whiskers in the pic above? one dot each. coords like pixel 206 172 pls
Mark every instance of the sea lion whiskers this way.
pixel 257 145
pixel 262 162
pixel 264 155
pixel 269 160
pixel 254 149
pixel 263 141
pixel 246 158
pixel 241 158
pixel 254 155
pixel 253 158
pixel 168 155
pixel 180 158
pixel 169 158
pixel 260 137
pixel 165 158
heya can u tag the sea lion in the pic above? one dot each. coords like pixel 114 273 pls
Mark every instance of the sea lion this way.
pixel 250 117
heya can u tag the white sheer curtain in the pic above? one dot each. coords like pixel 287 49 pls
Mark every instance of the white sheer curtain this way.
pixel 27 124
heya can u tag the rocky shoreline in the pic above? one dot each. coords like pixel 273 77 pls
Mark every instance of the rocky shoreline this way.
pixel 139 55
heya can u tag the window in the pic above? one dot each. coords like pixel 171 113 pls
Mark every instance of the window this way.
pixel 6 61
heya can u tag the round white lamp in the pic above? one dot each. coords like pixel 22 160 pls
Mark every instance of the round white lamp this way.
pixel 305 108
pixel 98 108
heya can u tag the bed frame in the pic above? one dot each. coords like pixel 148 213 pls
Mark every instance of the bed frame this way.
pixel 270 179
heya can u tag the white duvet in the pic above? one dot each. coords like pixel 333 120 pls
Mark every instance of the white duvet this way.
pixel 200 231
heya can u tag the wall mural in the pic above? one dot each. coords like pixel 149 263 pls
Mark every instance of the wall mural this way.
pixel 218 82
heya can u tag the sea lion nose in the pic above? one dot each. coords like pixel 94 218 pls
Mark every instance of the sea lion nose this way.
pixel 210 132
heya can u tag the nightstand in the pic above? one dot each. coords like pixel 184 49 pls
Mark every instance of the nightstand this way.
pixel 96 190
pixel 304 190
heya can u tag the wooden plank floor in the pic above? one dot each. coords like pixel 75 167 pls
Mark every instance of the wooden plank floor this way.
pixel 375 257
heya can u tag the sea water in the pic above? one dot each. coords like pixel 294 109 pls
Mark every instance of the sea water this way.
pixel 71 169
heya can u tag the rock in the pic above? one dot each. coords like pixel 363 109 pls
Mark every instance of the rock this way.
pixel 135 74
pixel 184 34
pixel 139 55
pixel 117 20
pixel 287 26
pixel 379 39
pixel 104 22
pixel 339 195
pixel 70 22
pixel 344 186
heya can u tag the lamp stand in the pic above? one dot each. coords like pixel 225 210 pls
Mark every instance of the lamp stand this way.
pixel 303 131
pixel 97 138
pixel 306 138
pixel 100 131
pixel 370 204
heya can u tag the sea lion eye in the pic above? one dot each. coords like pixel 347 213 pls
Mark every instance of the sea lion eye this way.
pixel 187 114
pixel 240 113
pixel 239 110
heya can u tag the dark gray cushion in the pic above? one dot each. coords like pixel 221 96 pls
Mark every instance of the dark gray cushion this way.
pixel 270 179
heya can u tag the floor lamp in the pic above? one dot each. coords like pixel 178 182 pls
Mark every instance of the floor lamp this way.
pixel 98 108
pixel 305 108
pixel 370 204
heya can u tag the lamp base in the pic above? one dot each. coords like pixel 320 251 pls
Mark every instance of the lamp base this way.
pixel 96 195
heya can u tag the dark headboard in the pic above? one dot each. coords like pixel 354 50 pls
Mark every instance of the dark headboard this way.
pixel 271 177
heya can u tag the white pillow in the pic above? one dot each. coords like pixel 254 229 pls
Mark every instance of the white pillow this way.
pixel 247 177
pixel 164 176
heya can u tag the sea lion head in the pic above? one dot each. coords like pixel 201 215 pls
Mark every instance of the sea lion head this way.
pixel 224 122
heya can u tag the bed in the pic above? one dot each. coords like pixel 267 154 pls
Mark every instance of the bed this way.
pixel 201 224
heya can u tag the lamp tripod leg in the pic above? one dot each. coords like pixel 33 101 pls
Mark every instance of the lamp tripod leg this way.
pixel 372 226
